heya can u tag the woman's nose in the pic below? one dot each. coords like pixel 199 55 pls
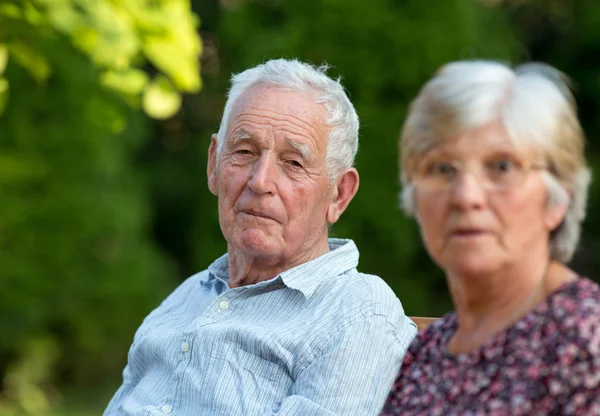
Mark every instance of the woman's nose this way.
pixel 468 191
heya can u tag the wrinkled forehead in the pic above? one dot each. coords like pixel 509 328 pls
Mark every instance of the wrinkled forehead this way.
pixel 281 102
pixel 297 115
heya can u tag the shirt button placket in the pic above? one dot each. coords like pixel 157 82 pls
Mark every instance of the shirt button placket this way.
pixel 167 409
pixel 224 304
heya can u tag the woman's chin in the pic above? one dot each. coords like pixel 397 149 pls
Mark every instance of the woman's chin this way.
pixel 470 264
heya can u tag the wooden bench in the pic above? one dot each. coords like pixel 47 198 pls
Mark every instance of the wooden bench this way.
pixel 422 322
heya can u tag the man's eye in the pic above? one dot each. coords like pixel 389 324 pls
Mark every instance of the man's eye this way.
pixel 294 163
pixel 243 152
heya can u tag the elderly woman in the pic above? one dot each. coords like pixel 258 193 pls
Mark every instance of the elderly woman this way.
pixel 494 172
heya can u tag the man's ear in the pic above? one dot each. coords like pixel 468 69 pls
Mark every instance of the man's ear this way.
pixel 346 186
pixel 211 167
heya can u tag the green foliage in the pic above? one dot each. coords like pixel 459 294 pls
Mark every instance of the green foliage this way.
pixel 120 38
pixel 25 380
pixel 76 260
pixel 79 270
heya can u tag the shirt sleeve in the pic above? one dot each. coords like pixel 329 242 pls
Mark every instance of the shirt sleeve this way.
pixel 121 393
pixel 355 371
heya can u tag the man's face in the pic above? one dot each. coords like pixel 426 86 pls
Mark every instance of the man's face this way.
pixel 270 178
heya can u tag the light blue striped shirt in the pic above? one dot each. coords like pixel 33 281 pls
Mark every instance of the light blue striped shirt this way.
pixel 319 339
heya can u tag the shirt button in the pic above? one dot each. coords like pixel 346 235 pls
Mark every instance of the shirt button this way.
pixel 166 409
pixel 223 305
pixel 185 346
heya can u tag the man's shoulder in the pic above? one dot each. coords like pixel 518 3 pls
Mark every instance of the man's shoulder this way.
pixel 369 291
pixel 371 287
pixel 364 284
pixel 191 281
pixel 185 290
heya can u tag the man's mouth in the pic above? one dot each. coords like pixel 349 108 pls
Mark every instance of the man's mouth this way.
pixel 258 214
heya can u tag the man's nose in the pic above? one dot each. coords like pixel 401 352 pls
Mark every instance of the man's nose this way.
pixel 468 191
pixel 263 175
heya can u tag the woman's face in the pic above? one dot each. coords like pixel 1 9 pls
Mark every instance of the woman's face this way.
pixel 481 203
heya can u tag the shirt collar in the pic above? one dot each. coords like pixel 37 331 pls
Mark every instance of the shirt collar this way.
pixel 306 277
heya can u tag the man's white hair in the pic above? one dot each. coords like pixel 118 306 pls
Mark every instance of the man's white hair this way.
pixel 294 75
pixel 538 111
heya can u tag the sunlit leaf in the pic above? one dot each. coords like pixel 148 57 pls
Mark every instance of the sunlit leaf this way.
pixel 132 81
pixel 65 18
pixel 148 21
pixel 33 61
pixel 176 49
pixel 184 72
pixel 32 15
pixel 33 400
pixel 119 38
pixel 86 38
pixel 3 57
pixel 161 100
pixel 3 95
pixel 10 10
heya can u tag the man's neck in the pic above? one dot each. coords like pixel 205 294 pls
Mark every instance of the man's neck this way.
pixel 247 269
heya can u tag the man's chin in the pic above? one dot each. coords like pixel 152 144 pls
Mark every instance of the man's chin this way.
pixel 258 243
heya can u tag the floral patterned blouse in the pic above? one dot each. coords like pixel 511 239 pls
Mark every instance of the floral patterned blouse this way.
pixel 547 363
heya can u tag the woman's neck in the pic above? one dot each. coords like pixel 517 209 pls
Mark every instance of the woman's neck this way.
pixel 488 305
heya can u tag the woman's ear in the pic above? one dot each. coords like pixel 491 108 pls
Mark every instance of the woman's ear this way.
pixel 556 212
pixel 346 186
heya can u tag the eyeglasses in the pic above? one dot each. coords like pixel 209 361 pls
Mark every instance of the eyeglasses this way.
pixel 496 174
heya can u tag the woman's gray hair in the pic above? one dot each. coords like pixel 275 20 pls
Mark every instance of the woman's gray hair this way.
pixel 294 75
pixel 538 111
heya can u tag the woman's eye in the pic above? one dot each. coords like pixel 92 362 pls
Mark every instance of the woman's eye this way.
pixel 294 163
pixel 502 166
pixel 243 152
pixel 441 169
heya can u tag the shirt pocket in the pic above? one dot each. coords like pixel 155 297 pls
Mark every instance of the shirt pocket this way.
pixel 246 383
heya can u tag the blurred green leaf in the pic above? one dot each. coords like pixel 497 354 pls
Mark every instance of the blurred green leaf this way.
pixel 103 113
pixel 161 100
pixel 3 58
pixel 4 93
pixel 24 378
pixel 10 10
pixel 176 47
pixel 120 38
pixel 64 17
pixel 32 14
pixel 32 60
pixel 180 68
pixel 132 81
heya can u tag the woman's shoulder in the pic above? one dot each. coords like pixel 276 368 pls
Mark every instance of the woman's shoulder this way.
pixel 576 301
pixel 574 313
pixel 434 337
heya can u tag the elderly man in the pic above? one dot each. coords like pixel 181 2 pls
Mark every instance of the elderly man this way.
pixel 283 323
